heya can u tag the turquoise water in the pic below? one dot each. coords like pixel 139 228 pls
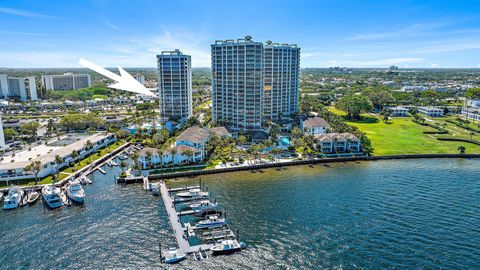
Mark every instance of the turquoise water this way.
pixel 387 214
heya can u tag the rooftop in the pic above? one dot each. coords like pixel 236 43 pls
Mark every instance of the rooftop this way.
pixel 47 153
pixel 314 122
pixel 194 134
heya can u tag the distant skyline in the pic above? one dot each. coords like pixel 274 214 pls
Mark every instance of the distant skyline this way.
pixel 350 33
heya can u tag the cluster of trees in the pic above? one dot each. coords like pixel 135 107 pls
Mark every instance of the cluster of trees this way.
pixel 80 94
pixel 81 122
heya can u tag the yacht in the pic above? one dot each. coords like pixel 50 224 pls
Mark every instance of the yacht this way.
pixel 194 192
pixel 227 247
pixel 173 255
pixel 13 199
pixel 203 205
pixel 1 196
pixel 51 196
pixel 75 191
pixel 211 222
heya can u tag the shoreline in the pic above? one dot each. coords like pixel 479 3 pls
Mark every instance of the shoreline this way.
pixel 291 163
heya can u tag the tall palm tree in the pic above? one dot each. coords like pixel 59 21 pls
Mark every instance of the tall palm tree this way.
pixel 160 156
pixel 58 160
pixel 174 152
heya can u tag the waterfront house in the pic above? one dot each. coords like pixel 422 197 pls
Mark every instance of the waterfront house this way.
pixel 179 154
pixel 314 126
pixel 398 111
pixel 431 111
pixel 337 142
pixel 189 147
pixel 12 167
pixel 473 103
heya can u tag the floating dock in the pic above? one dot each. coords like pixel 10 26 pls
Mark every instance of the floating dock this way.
pixel 181 237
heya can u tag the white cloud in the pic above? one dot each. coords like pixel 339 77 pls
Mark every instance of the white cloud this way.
pixel 370 63
pixel 111 25
pixel 21 12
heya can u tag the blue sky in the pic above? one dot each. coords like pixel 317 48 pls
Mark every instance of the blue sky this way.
pixel 353 33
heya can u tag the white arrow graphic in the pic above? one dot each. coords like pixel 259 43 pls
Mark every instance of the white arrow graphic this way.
pixel 123 82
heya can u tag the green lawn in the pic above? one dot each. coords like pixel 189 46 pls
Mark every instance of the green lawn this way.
pixel 402 136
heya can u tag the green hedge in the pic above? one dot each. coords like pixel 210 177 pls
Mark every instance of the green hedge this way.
pixel 458 140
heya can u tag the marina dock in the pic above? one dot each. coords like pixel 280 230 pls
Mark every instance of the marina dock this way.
pixel 182 239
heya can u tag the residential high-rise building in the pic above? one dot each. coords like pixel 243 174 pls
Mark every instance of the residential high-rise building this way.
pixel 281 78
pixel 67 81
pixel 140 78
pixel 175 84
pixel 237 83
pixel 252 82
pixel 17 88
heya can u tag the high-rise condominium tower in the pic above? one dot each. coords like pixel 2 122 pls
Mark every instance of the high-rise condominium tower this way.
pixel 252 82
pixel 282 72
pixel 175 84
pixel 237 83
pixel 17 88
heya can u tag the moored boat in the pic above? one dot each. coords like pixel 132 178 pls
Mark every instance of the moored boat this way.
pixel 51 196
pixel 75 191
pixel 88 181
pixel 194 192
pixel 203 205
pixel 13 199
pixel 211 222
pixel 208 212
pixel 227 247
pixel 173 255
pixel 24 199
pixel 33 197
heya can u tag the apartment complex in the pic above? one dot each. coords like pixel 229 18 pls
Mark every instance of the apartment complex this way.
pixel 252 82
pixel 17 88
pixel 67 81
pixel 281 78
pixel 175 84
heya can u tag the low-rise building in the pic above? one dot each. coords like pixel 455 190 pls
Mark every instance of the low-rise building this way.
pixel 189 148
pixel 398 111
pixel 314 126
pixel 473 103
pixel 471 113
pixel 12 167
pixel 337 142
pixel 431 111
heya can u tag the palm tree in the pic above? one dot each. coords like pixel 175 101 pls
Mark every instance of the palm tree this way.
pixel 58 160
pixel 34 167
pixel 74 156
pixel 174 152
pixel 461 149
pixel 160 156
pixel 148 156
pixel 189 154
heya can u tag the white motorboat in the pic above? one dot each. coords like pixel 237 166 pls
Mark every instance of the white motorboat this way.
pixel 13 199
pixel 203 205
pixel 114 163
pixel 227 247
pixel 173 255
pixel 88 181
pixel 24 199
pixel 1 196
pixel 122 157
pixel 211 222
pixel 33 197
pixel 51 196
pixel 194 192
pixel 75 191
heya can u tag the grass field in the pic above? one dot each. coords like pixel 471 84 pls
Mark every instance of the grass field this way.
pixel 402 136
